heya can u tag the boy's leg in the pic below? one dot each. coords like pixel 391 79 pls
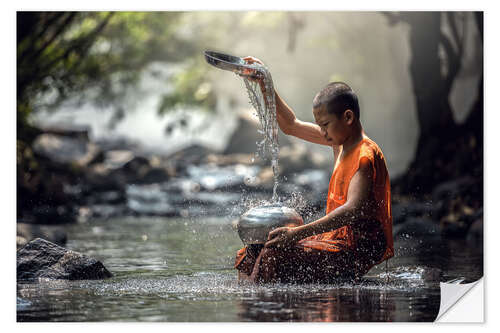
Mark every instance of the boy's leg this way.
pixel 315 266
pixel 293 264
pixel 336 261
pixel 245 261
pixel 296 264
pixel 267 266
pixel 308 264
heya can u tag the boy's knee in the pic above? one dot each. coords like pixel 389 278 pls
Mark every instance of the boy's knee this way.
pixel 271 254
pixel 276 259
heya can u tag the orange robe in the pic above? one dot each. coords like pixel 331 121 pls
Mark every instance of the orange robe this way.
pixel 366 151
pixel 352 251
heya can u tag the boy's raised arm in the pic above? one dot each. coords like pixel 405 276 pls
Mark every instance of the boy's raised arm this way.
pixel 287 120
pixel 290 125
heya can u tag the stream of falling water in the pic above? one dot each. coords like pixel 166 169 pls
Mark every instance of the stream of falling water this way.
pixel 265 105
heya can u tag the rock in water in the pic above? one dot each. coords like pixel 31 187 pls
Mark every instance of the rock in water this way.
pixel 66 150
pixel 246 134
pixel 43 259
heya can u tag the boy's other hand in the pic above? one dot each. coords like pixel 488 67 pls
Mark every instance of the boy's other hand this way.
pixel 281 238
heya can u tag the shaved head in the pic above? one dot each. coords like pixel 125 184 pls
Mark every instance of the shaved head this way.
pixel 337 97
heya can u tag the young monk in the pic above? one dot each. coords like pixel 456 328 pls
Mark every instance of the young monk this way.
pixel 356 232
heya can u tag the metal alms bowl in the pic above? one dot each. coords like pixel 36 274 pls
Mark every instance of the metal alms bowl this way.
pixel 231 63
pixel 224 61
pixel 255 225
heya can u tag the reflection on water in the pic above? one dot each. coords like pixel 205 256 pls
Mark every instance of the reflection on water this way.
pixel 181 270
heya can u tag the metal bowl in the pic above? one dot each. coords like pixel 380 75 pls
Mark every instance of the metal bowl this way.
pixel 255 225
pixel 231 63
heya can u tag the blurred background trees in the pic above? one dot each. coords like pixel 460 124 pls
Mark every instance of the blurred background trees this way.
pixel 90 57
pixel 100 57
pixel 445 148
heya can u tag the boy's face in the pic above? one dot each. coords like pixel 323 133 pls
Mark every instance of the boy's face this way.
pixel 335 129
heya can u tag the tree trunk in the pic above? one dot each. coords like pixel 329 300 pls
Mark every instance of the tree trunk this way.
pixel 432 77
pixel 433 108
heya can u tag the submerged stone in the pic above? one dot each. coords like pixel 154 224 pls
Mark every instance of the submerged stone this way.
pixel 43 259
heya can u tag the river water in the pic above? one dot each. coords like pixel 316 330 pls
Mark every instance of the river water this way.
pixel 180 269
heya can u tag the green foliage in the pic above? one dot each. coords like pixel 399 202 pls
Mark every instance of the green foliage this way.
pixel 99 57
pixel 192 88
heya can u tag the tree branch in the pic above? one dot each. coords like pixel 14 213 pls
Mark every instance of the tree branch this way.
pixel 464 37
pixel 83 43
pixel 453 26
pixel 453 60
pixel 49 23
pixel 294 25
pixel 31 34
pixel 56 34
pixel 92 36
pixel 479 22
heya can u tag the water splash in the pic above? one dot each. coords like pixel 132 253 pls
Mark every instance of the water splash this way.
pixel 264 104
pixel 206 284
pixel 411 276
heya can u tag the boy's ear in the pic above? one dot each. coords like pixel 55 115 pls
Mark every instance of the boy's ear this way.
pixel 349 116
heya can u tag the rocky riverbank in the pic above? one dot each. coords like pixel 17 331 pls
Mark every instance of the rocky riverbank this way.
pixel 70 179
pixel 73 179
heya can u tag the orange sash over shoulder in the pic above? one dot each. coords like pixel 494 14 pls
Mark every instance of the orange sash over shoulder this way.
pixel 343 238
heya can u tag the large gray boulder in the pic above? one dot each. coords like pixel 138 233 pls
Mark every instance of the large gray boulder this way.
pixel 193 154
pixel 123 167
pixel 297 158
pixel 43 259
pixel 68 130
pixel 66 150
pixel 246 135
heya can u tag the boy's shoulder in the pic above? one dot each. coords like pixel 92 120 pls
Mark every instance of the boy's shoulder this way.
pixel 370 149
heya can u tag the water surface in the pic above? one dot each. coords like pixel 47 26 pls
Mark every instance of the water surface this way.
pixel 180 269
